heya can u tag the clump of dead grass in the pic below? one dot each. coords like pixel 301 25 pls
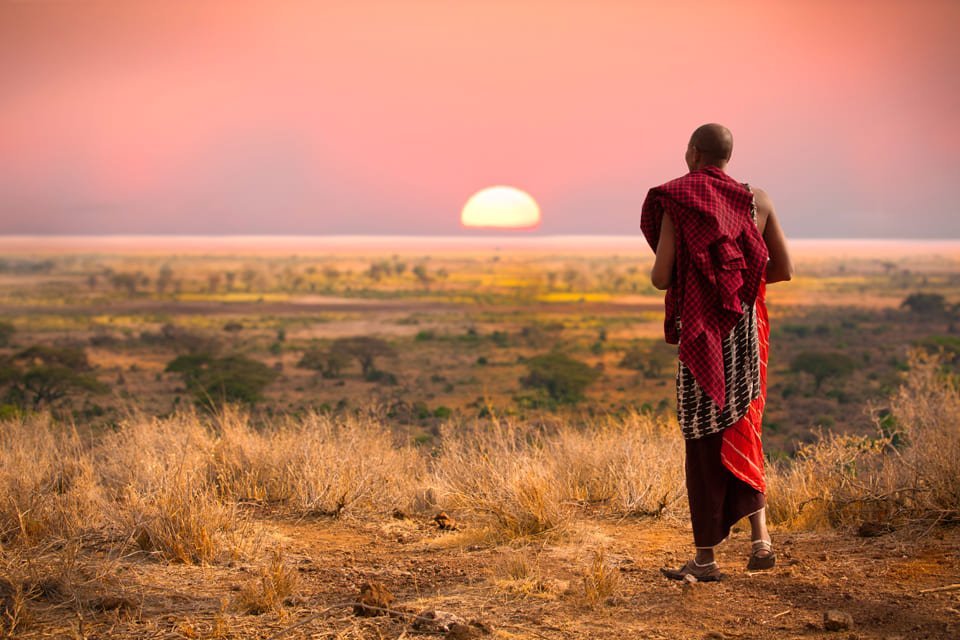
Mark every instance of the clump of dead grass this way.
pixel 501 474
pixel 47 487
pixel 520 481
pixel 276 583
pixel 59 577
pixel 599 579
pixel 182 521
pixel 905 473
pixel 317 465
pixel 631 465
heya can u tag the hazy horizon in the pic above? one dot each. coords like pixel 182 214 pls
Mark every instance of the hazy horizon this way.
pixel 583 244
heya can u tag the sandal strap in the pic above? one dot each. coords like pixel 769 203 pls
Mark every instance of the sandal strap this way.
pixel 703 566
pixel 763 544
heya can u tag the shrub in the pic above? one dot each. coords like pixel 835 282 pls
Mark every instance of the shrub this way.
pixel 931 304
pixel 560 376
pixel 6 332
pixel 215 381
pixel 43 375
pixel 180 340
pixel 822 365
pixel 365 349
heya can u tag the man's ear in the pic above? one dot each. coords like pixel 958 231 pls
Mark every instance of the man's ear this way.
pixel 697 157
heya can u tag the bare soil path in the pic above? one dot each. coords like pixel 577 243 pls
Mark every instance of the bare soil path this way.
pixel 538 590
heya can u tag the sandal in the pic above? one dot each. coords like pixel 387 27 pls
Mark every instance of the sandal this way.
pixel 760 561
pixel 709 572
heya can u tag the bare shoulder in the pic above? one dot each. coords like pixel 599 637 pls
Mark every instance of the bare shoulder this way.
pixel 762 197
pixel 764 206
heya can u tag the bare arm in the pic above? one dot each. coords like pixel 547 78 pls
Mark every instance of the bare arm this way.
pixel 662 272
pixel 780 267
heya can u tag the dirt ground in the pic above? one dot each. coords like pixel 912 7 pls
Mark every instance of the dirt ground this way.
pixel 538 590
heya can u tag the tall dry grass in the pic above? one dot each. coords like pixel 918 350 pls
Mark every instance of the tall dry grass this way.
pixel 316 465
pixel 521 481
pixel 48 487
pixel 177 488
pixel 907 472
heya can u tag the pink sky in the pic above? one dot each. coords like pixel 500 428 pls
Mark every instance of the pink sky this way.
pixel 321 117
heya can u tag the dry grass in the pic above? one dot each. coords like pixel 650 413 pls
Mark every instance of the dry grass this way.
pixel 176 487
pixel 906 473
pixel 271 590
pixel 519 481
pixel 47 488
pixel 502 475
pixel 600 581
pixel 317 465
pixel 61 577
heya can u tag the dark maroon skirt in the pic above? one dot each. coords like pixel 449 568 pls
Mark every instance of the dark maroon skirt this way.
pixel 718 499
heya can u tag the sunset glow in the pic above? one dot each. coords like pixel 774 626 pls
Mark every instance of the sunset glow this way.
pixel 299 117
pixel 501 207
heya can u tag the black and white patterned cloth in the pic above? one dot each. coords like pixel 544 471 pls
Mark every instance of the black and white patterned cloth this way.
pixel 697 413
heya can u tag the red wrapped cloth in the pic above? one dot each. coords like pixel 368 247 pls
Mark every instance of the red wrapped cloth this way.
pixel 742 448
pixel 721 260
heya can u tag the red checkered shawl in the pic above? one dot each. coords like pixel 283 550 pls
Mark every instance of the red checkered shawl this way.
pixel 721 259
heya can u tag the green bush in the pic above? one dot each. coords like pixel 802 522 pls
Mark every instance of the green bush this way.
pixel 932 304
pixel 563 378
pixel 822 365
pixel 215 381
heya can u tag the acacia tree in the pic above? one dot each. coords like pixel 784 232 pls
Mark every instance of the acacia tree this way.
pixel 331 362
pixel 365 349
pixel 42 375
pixel 215 381
pixel 822 365
pixel 930 304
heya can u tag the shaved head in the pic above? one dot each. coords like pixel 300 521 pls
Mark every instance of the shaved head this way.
pixel 714 142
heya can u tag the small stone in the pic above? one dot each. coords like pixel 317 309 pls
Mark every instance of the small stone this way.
pixel 482 627
pixel 460 631
pixel 436 621
pixel 445 522
pixel 374 598
pixel 836 620
pixel 553 585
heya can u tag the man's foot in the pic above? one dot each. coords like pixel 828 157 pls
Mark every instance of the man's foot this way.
pixel 709 572
pixel 762 556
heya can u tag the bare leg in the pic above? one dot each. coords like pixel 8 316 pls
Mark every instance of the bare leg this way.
pixel 758 529
pixel 704 555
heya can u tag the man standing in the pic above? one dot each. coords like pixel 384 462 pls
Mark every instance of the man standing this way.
pixel 718 243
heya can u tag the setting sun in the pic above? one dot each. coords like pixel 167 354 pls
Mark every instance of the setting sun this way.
pixel 501 207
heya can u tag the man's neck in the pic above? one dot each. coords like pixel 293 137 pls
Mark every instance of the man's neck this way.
pixel 717 167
